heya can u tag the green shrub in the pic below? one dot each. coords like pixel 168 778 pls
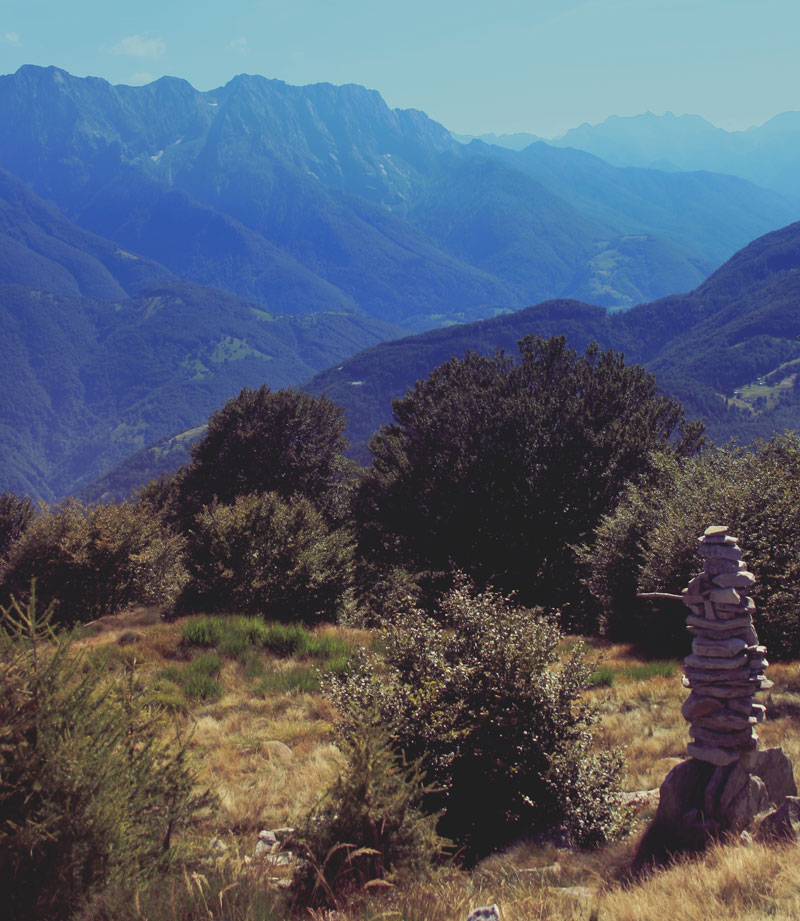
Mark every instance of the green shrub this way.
pixel 649 543
pixel 16 514
pixel 495 722
pixel 369 826
pixel 95 560
pixel 90 785
pixel 272 556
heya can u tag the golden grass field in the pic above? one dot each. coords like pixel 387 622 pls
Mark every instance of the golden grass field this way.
pixel 264 748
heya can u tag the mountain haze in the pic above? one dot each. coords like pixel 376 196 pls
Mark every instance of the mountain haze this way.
pixel 40 247
pixel 728 350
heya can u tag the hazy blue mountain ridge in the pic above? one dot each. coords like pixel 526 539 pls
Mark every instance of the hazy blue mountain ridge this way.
pixel 739 325
pixel 323 197
pixel 766 155
pixel 41 248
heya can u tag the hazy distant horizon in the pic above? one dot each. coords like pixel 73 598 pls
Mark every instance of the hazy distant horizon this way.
pixel 516 67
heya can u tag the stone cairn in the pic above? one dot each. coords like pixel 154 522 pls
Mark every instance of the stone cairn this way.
pixel 726 785
pixel 726 666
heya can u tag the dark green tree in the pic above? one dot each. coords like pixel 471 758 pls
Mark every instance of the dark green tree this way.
pixel 501 466
pixel 282 441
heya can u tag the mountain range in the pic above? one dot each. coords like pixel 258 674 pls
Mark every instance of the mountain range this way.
pixel 86 382
pixel 764 154
pixel 728 350
pixel 323 198
pixel 161 247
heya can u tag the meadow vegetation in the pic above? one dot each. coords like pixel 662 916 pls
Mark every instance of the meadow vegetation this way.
pixel 379 659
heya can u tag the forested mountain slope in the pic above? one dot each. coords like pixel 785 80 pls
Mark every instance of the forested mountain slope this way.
pixel 86 382
pixel 710 347
pixel 728 350
pixel 41 248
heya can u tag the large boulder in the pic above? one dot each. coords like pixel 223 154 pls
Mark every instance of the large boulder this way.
pixel 774 767
pixel 683 789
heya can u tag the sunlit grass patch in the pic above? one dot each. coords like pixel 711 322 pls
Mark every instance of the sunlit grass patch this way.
pixel 602 678
pixel 236 637
pixel 299 679
pixel 197 680
pixel 731 882
pixel 265 747
pixel 643 671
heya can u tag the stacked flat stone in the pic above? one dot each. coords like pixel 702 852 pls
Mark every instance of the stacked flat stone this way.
pixel 726 667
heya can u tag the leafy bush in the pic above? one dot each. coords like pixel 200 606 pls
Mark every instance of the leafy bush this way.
pixel 90 786
pixel 15 515
pixel 649 543
pixel 95 560
pixel 369 826
pixel 272 556
pixel 478 697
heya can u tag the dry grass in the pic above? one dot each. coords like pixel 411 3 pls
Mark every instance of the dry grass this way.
pixel 267 755
pixel 731 882
pixel 266 759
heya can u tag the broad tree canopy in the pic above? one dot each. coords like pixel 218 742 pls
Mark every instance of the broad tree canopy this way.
pixel 499 466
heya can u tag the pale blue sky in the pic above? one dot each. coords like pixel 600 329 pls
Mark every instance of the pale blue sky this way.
pixel 512 65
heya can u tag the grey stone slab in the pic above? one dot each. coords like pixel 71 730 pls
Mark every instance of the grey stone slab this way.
pixel 738 580
pixel 724 647
pixel 716 663
pixel 712 754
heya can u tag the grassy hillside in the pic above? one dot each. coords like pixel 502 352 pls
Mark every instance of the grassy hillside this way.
pixel 262 743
